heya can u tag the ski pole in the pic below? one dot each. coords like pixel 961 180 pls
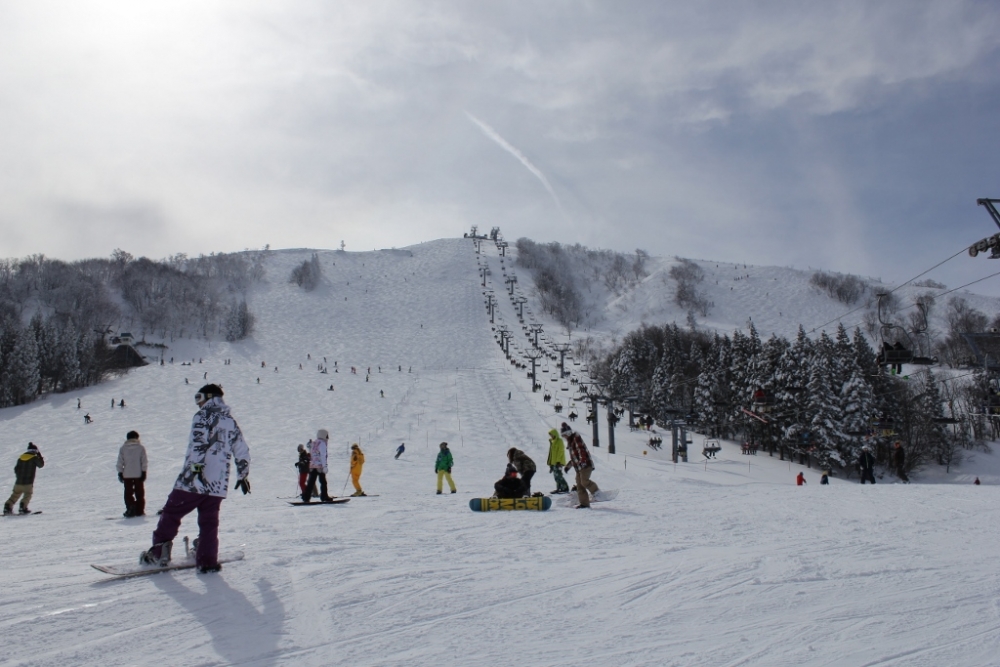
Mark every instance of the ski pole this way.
pixel 344 490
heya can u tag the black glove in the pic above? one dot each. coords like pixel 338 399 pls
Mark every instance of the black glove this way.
pixel 142 477
pixel 243 485
pixel 121 478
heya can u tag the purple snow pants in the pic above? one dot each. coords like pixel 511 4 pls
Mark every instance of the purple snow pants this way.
pixel 180 504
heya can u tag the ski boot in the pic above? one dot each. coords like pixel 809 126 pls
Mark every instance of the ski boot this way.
pixel 357 494
pixel 23 510
pixel 7 509
pixel 206 569
pixel 158 555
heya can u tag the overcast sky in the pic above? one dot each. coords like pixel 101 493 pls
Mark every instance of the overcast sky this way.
pixel 852 136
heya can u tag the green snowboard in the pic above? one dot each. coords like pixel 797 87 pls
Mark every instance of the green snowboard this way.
pixel 538 503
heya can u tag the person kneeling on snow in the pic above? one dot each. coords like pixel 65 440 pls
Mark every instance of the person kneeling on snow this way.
pixel 204 479
pixel 524 465
pixel 509 486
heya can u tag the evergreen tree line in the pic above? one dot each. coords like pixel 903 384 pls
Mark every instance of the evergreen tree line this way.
pixel 54 315
pixel 819 400
pixel 48 355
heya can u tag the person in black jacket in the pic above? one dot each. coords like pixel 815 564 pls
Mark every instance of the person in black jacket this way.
pixel 510 486
pixel 303 467
pixel 866 464
pixel 24 481
pixel 524 465
pixel 899 459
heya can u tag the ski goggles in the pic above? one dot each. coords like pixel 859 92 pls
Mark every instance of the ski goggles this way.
pixel 200 398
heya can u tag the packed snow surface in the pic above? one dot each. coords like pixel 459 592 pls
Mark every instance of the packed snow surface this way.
pixel 720 562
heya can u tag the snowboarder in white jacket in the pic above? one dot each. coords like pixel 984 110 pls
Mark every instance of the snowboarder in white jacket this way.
pixel 131 468
pixel 215 438
pixel 318 467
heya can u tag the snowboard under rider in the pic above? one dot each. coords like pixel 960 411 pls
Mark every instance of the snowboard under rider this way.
pixel 357 463
pixel 203 481
pixel 557 461
pixel 318 467
pixel 579 458
pixel 131 467
pixel 442 466
pixel 24 479
pixel 524 465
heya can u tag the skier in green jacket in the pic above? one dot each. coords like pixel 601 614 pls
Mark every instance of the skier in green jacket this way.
pixel 557 461
pixel 442 466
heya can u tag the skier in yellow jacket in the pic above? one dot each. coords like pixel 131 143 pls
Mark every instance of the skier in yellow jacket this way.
pixel 557 461
pixel 357 463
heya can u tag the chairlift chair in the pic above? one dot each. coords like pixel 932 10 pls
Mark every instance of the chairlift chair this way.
pixel 897 354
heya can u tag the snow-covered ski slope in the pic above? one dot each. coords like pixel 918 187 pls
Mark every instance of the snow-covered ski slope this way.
pixel 724 562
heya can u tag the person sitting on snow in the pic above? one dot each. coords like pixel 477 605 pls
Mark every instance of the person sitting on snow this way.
pixel 509 486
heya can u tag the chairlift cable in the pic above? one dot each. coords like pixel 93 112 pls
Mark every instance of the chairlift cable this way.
pixel 900 286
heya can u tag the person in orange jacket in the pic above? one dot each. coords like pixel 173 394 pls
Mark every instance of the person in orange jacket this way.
pixel 800 480
pixel 357 463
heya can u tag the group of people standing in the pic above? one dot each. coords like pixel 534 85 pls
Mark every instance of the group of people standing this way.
pixel 516 482
pixel 313 466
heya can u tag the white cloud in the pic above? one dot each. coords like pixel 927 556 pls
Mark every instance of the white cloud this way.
pixel 670 126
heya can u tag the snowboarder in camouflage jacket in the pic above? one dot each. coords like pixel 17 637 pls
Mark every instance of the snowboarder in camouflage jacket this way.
pixel 215 438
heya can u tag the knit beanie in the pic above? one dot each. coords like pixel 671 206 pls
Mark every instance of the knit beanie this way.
pixel 211 390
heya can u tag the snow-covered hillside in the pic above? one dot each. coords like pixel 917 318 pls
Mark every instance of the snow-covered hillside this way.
pixel 721 562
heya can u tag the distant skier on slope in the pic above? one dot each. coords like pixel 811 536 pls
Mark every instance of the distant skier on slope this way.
pixel 442 466
pixel 203 482
pixel 557 461
pixel 131 467
pixel 318 467
pixel 524 465
pixel 24 479
pixel 800 480
pixel 357 464
pixel 400 450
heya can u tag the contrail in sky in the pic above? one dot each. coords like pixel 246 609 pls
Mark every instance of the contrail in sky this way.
pixel 504 144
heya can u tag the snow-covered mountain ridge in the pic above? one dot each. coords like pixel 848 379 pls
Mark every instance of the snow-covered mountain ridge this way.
pixel 712 562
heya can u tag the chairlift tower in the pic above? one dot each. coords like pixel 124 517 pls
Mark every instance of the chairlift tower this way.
pixel 536 329
pixel 491 304
pixel 483 272
pixel 533 356
pixel 562 349
pixel 519 302
pixel 511 281
pixel 505 336
pixel 992 242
